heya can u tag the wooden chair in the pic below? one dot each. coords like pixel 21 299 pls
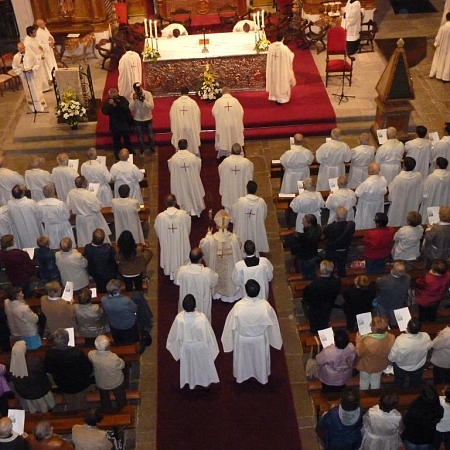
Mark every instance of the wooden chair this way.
pixel 337 61
pixel 182 16
pixel 315 37
pixel 5 79
pixel 7 60
pixel 367 35
pixel 228 16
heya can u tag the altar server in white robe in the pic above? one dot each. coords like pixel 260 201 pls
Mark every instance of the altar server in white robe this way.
pixel 221 251
pixel 96 172
pixel 173 227
pixel 196 279
pixel 241 26
pixel 440 67
pixel 436 188
pixel 362 156
pixel 8 179
pixel 295 163
pixel 88 210
pixel 55 215
pixel 185 181
pixel 308 201
pixel 130 72
pixel 26 64
pixel 441 148
pixel 280 78
pixel 405 193
pixel 229 117
pixel 36 178
pixel 341 197
pixel 253 267
pixel 63 176
pixel 235 172
pixel 389 155
pixel 126 214
pixel 123 172
pixel 192 341
pixel 5 222
pixel 331 156
pixel 352 25
pixel 47 42
pixel 420 149
pixel 185 121
pixel 250 329
pixel 25 217
pixel 370 195
pixel 31 43
pixel 248 215
pixel 168 32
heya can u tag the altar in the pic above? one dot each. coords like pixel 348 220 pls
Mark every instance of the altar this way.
pixel 231 57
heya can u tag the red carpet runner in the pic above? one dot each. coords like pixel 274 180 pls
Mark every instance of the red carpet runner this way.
pixel 309 111
pixel 231 416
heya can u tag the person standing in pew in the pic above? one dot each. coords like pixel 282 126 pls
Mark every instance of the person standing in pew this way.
pixel 436 242
pixel 440 357
pixel 320 296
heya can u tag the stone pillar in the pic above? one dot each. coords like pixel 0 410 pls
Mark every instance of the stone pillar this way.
pixel 24 16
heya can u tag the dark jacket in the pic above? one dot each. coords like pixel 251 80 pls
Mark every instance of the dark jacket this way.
pixel 18 266
pixel 304 245
pixel 36 384
pixel 101 261
pixel 48 271
pixel 338 235
pixel 120 118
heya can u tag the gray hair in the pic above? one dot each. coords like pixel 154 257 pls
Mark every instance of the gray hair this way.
pixel 61 337
pixel 114 286
pixel 43 430
pixel 102 343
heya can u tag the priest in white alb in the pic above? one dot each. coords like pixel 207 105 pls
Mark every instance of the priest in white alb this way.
pixel 47 42
pixel 168 32
pixel 248 215
pixel 280 78
pixel 235 172
pixel 126 214
pixel 63 176
pixel 196 279
pixel 185 121
pixel 229 116
pixel 441 148
pixel 192 341
pixel 130 72
pixel 36 178
pixel 8 179
pixel 343 196
pixel 440 67
pixel 420 149
pixel 362 156
pixel 389 155
pixel 221 251
pixel 250 330
pixel 173 227
pixel 185 181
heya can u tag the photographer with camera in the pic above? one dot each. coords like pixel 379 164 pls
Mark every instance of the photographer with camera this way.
pixel 141 103
pixel 120 120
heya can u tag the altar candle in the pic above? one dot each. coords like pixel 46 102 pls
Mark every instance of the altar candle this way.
pixel 150 26
pixel 262 19
pixel 145 26
pixel 156 29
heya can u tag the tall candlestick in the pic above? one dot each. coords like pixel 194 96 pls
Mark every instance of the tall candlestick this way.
pixel 156 29
pixel 262 19
pixel 259 19
pixel 150 26
pixel 145 26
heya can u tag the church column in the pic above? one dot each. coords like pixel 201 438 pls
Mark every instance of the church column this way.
pixel 24 15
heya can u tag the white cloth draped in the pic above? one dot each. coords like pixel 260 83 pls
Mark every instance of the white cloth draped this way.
pixel 126 217
pixel 370 195
pixel 95 172
pixel 296 163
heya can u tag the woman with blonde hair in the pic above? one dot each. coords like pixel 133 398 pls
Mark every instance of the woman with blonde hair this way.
pixel 373 350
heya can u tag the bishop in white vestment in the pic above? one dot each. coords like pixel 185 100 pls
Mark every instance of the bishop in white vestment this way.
pixel 130 72
pixel 250 329
pixel 192 341
pixel 362 156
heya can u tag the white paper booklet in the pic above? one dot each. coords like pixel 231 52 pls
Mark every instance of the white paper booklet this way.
pixel 300 187
pixel 333 184
pixel 74 164
pixel 68 292
pixel 326 337
pixel 433 137
pixel 71 332
pixel 30 251
pixel 276 161
pixel 363 320
pixel 291 141
pixel 93 292
pixel 131 159
pixel 102 160
pixel 94 187
pixel 433 214
pixel 17 417
pixel 382 136
pixel 281 195
pixel 403 316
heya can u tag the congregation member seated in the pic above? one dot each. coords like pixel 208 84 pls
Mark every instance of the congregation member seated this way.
pixel 46 261
pixel 108 373
pixel 373 351
pixel 9 439
pixel 71 370
pixel 440 358
pixel 335 363
pixel 43 438
pixel 357 300
pixel 88 436
pixel 31 383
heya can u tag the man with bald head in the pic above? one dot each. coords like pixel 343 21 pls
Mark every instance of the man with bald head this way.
pixel 235 172
pixel 8 179
pixel 36 178
pixel 389 155
pixel 296 163
pixel 9 439
pixel 370 195
pixel 96 172
pixel 331 156
pixel 362 156
pixel 26 64
pixel 196 279
pixel 229 116
pixel 343 196
pixel 63 176
pixel 47 42
pixel 116 107
pixel 88 210
pixel 123 172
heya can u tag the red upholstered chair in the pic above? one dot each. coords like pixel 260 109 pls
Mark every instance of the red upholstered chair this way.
pixel 338 62
pixel 122 14
pixel 182 16
pixel 228 16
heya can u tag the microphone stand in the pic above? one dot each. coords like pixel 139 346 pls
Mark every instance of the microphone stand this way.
pixel 342 97
pixel 35 111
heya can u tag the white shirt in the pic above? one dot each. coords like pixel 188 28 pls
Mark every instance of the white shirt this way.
pixel 409 351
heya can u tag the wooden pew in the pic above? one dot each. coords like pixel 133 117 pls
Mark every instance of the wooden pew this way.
pixel 144 214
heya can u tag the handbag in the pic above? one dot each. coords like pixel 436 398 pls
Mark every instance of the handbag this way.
pixel 312 368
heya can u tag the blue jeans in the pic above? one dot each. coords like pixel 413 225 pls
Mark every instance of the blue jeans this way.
pixel 145 127
pixel 307 267
pixel 415 377
pixel 411 446
pixel 374 266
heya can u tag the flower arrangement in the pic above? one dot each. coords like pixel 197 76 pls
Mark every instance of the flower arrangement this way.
pixel 209 88
pixel 150 54
pixel 70 109
pixel 262 45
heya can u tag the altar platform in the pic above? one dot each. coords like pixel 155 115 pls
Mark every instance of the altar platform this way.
pixel 231 57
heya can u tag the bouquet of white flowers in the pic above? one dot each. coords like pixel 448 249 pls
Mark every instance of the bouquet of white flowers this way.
pixel 70 109
pixel 262 45
pixel 150 54
pixel 209 88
